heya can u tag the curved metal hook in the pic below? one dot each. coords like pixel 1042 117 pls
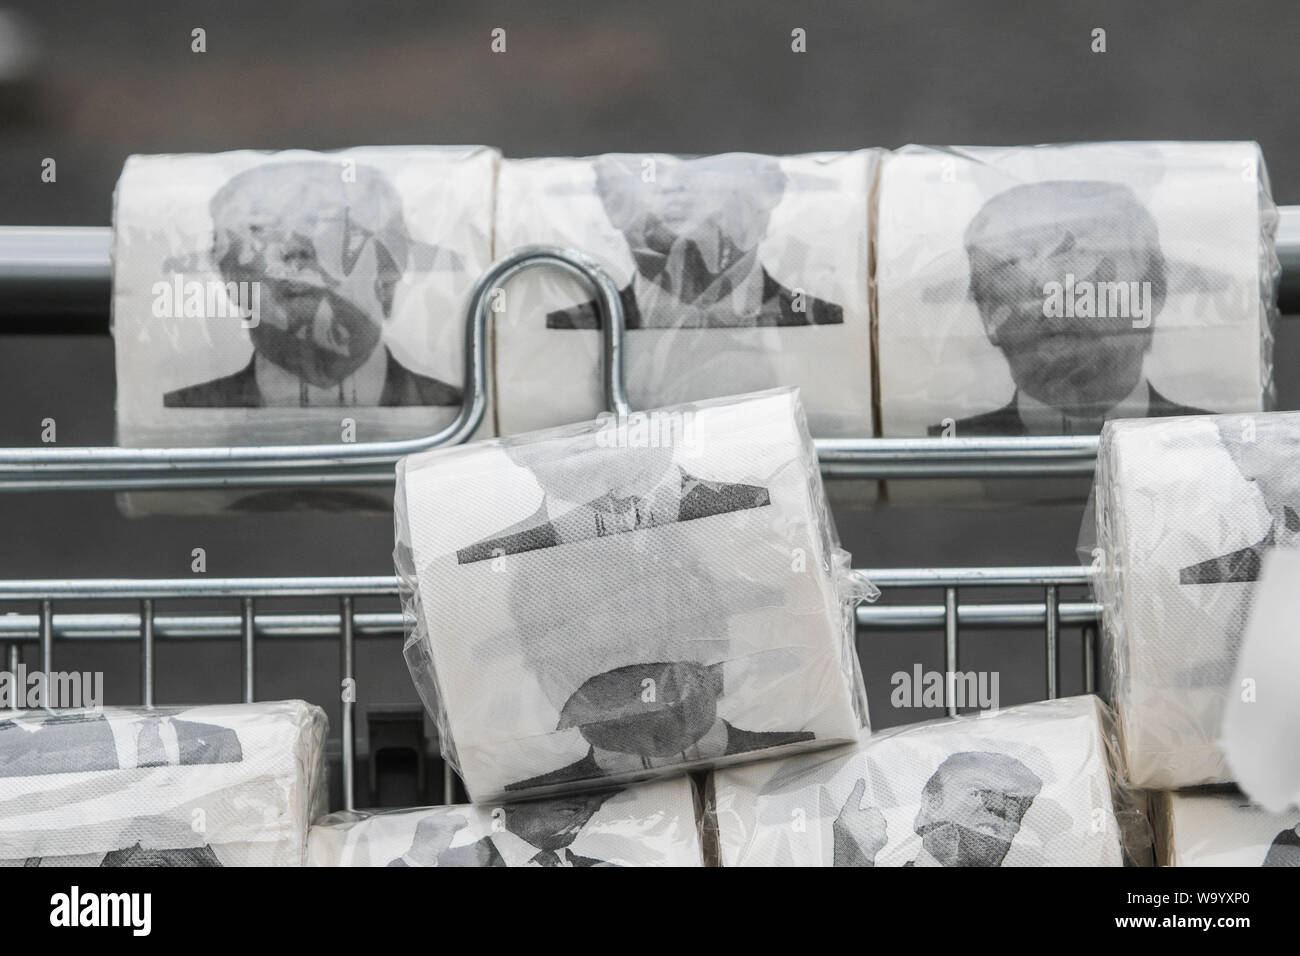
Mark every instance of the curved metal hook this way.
pixel 267 465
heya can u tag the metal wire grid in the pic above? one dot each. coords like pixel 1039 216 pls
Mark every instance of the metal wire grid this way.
pixel 37 265
pixel 45 627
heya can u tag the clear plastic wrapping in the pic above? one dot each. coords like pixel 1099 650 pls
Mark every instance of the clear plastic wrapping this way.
pixel 294 297
pixel 1032 785
pixel 738 272
pixel 224 785
pixel 1261 722
pixel 650 824
pixel 1222 829
pixel 1040 290
pixel 1184 510
pixel 617 599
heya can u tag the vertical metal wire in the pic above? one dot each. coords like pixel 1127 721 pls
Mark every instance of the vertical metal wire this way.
pixel 348 686
pixel 1090 659
pixel 146 652
pixel 1053 643
pixel 248 666
pixel 47 638
pixel 448 784
pixel 13 660
pixel 950 649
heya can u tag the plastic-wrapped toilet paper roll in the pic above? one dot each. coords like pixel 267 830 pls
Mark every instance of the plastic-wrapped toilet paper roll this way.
pixel 652 824
pixel 230 785
pixel 612 600
pixel 1042 290
pixel 294 297
pixel 1261 723
pixel 1223 829
pixel 738 272
pixel 1185 510
pixel 1026 786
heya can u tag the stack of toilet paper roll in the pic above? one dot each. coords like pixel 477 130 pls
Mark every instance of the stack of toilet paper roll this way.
pixel 1026 786
pixel 1223 829
pixel 621 598
pixel 230 785
pixel 651 824
pixel 738 272
pixel 1186 509
pixel 294 298
pixel 1041 290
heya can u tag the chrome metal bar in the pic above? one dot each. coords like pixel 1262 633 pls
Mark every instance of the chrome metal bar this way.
pixel 25 628
pixel 348 696
pixel 41 266
pixel 950 649
pixel 448 785
pixel 979 616
pixel 1090 659
pixel 1065 574
pixel 254 465
pixel 384 585
pixel 146 652
pixel 1288 254
pixel 12 659
pixel 1053 633
pixel 248 650
pixel 136 588
pixel 47 637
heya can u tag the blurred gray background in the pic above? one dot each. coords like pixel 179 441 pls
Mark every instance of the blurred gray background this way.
pixel 92 83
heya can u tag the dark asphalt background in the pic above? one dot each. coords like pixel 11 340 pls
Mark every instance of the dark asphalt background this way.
pixel 576 79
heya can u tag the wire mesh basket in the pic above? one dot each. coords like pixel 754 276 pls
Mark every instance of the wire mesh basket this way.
pixel 55 280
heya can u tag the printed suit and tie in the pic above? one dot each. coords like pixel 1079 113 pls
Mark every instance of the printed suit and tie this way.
pixel 80 743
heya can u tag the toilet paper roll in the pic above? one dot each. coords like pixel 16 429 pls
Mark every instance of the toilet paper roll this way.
pixel 1025 786
pixel 738 272
pixel 1261 723
pixel 1185 510
pixel 1224 829
pixel 612 600
pixel 652 824
pixel 229 785
pixel 1041 290
pixel 294 297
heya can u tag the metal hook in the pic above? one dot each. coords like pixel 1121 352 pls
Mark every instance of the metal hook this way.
pixel 107 468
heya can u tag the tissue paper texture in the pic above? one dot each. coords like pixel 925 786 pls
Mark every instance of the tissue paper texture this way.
pixel 653 824
pixel 584 607
pixel 227 785
pixel 738 272
pixel 294 297
pixel 1026 786
pixel 1185 511
pixel 1042 290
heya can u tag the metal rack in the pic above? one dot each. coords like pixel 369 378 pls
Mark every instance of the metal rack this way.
pixel 56 281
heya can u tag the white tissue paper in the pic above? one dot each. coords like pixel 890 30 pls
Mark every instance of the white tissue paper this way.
pixel 1185 511
pixel 738 272
pixel 226 785
pixel 1223 829
pixel 1261 727
pixel 294 297
pixel 1039 290
pixel 618 599
pixel 652 824
pixel 1025 786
